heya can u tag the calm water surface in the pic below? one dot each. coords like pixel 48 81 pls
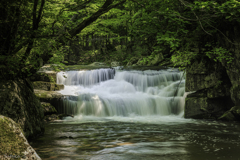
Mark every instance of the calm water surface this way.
pixel 139 138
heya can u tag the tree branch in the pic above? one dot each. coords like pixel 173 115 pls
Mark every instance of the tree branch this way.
pixel 105 8
pixel 196 17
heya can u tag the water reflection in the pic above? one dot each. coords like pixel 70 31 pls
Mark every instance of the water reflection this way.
pixel 116 138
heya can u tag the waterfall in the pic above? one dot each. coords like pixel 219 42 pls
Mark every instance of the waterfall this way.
pixel 106 92
pixel 85 78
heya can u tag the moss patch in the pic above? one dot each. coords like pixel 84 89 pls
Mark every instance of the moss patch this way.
pixel 18 102
pixel 11 141
pixel 47 86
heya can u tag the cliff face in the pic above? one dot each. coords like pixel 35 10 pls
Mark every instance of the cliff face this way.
pixel 17 101
pixel 216 84
pixel 216 89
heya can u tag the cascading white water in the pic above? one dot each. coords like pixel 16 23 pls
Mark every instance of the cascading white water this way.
pixel 85 78
pixel 101 93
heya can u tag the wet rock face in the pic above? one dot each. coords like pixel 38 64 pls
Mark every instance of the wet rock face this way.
pixel 52 97
pixel 48 108
pixel 13 144
pixel 46 76
pixel 47 86
pixel 212 97
pixel 200 106
pixel 17 101
pixel 232 115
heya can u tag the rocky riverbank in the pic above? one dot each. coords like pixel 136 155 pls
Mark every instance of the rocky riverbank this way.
pixel 216 94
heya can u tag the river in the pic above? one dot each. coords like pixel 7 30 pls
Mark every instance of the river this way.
pixel 132 115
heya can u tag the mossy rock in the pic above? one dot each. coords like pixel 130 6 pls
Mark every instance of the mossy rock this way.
pixel 232 115
pixel 13 144
pixel 156 60
pixel 167 62
pixel 98 64
pixel 227 116
pixel 235 94
pixel 115 64
pixel 236 111
pixel 53 117
pixel 53 97
pixel 17 101
pixel 140 62
pixel 132 61
pixel 221 90
pixel 42 94
pixel 47 86
pixel 47 76
pixel 196 82
pixel 143 68
pixel 199 106
pixel 204 73
pixel 48 108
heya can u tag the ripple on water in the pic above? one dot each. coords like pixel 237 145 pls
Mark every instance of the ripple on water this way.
pixel 116 138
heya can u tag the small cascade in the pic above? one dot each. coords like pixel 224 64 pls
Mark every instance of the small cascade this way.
pixel 102 93
pixel 85 78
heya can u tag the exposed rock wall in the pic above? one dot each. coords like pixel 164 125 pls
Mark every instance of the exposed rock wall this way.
pixel 17 101
pixel 211 86
pixel 204 76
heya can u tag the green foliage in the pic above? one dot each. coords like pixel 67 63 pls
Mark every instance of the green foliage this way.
pixel 220 54
pixel 184 58
pixel 37 32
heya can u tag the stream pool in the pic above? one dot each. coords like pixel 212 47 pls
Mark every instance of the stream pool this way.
pixel 138 138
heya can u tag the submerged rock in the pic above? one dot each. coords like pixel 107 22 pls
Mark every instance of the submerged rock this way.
pixel 13 144
pixel 54 117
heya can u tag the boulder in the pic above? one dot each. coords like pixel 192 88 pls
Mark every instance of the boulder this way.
pixel 48 108
pixel 232 115
pixel 98 64
pixel 53 117
pixel 156 60
pixel 17 101
pixel 47 86
pixel 13 144
pixel 132 61
pixel 46 76
pixel 115 64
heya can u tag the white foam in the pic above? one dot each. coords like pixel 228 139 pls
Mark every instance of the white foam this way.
pixel 147 93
